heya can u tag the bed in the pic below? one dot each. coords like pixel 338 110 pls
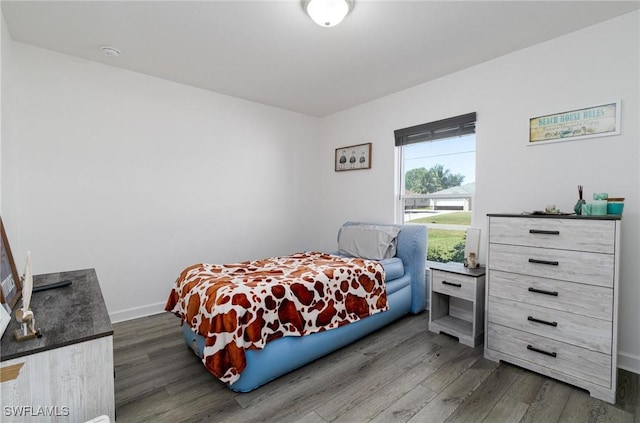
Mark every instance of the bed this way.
pixel 403 291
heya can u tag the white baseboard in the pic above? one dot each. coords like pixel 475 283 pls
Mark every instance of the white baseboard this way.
pixel 136 312
pixel 629 362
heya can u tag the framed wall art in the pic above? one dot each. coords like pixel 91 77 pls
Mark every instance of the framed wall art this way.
pixel 10 286
pixel 353 157
pixel 596 121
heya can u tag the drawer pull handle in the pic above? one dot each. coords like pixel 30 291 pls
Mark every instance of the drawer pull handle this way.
pixel 550 263
pixel 542 291
pixel 540 231
pixel 457 285
pixel 551 354
pixel 544 322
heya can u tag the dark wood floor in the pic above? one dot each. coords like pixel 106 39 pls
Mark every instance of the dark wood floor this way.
pixel 402 373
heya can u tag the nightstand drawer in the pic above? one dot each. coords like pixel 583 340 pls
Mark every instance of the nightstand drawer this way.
pixel 581 363
pixel 459 286
pixel 574 266
pixel 582 331
pixel 587 300
pixel 597 236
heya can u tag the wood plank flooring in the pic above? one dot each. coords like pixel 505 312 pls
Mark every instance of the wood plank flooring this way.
pixel 402 373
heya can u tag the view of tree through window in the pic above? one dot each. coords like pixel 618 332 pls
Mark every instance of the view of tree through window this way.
pixel 426 181
pixel 439 183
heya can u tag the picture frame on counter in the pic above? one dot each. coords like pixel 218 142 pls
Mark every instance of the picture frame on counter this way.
pixel 10 284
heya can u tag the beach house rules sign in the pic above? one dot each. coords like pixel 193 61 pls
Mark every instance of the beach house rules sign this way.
pixel 597 121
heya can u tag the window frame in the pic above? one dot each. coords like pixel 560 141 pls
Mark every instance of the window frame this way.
pixel 454 127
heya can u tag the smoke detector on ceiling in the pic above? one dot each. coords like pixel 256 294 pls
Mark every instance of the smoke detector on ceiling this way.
pixel 110 51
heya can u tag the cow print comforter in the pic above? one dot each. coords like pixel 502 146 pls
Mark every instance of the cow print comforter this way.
pixel 245 305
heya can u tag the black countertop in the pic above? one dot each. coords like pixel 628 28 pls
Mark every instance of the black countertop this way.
pixel 458 268
pixel 67 315
pixel 557 216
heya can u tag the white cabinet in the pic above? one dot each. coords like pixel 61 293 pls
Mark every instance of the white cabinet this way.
pixel 67 374
pixel 71 383
pixel 552 297
pixel 456 301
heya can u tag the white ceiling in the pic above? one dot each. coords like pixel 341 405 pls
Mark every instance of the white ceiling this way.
pixel 271 52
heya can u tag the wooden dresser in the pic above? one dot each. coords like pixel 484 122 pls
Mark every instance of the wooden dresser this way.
pixel 552 297
pixel 67 374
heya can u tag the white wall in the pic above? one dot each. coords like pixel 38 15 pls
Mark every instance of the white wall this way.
pixel 585 68
pixel 5 39
pixel 139 177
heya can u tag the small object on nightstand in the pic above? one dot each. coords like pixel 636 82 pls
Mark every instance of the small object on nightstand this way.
pixel 471 261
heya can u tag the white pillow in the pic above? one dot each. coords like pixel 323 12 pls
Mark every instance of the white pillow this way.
pixel 368 241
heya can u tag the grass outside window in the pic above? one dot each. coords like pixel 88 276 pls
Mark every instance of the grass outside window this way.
pixel 446 244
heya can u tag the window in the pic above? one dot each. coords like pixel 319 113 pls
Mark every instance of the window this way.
pixel 437 182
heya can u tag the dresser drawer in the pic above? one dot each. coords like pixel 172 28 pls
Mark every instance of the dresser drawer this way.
pixel 564 234
pixel 587 300
pixel 586 332
pixel 574 266
pixel 459 286
pixel 591 366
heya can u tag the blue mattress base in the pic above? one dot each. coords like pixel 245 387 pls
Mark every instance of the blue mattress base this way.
pixel 286 354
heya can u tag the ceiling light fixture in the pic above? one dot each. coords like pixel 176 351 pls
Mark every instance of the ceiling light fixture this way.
pixel 328 13
pixel 110 51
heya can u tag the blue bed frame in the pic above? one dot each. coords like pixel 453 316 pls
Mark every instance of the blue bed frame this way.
pixel 286 354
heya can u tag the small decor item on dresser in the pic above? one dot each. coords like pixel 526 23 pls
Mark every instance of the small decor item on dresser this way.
pixel 24 315
pixel 578 207
pixel 615 205
pixel 551 209
pixel 599 205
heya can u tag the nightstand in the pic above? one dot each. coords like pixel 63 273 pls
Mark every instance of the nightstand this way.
pixel 456 298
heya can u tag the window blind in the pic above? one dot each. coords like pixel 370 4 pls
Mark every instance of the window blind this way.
pixel 445 128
